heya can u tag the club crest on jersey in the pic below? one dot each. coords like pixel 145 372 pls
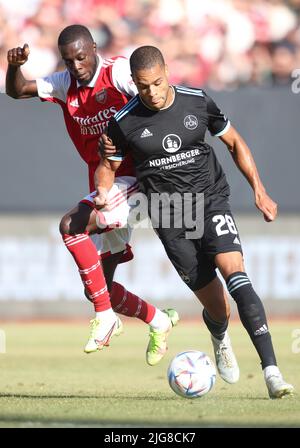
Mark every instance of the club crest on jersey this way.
pixel 171 143
pixel 74 103
pixel 190 122
pixel 101 96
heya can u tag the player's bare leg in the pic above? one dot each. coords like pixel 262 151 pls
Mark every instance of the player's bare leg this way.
pixel 215 300
pixel 253 317
pixel 216 314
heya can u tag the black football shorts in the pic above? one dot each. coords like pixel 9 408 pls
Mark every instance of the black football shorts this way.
pixel 194 258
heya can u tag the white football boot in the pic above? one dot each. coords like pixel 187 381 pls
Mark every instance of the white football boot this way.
pixel 276 385
pixel 225 359
pixel 101 334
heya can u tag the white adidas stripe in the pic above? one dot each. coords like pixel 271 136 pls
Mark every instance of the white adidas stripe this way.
pixel 122 302
pixel 74 237
pixel 137 313
pixel 126 106
pixel 124 193
pixel 239 286
pixel 121 200
pixel 77 242
pixel 118 118
pixel 98 293
pixel 190 93
pixel 69 239
pixel 189 89
pixel 108 62
pixel 91 269
pixel 132 103
pixel 146 133
pixel 237 282
pixel 233 280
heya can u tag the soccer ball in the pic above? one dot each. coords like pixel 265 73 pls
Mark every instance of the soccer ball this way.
pixel 191 374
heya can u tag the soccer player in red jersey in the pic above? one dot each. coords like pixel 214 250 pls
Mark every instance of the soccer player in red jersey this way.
pixel 90 91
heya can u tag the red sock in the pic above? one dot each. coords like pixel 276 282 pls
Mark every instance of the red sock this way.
pixel 87 259
pixel 127 303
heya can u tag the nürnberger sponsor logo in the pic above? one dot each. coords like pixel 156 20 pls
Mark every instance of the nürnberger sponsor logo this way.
pixel 174 158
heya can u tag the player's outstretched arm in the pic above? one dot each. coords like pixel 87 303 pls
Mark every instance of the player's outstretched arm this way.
pixel 243 158
pixel 16 85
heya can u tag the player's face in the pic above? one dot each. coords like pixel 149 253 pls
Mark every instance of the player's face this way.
pixel 80 59
pixel 153 86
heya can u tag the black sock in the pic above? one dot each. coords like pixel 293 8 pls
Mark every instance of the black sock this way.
pixel 252 315
pixel 217 329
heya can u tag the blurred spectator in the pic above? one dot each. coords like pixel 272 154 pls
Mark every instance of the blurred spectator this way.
pixel 16 12
pixel 223 44
pixel 283 63
pixel 261 64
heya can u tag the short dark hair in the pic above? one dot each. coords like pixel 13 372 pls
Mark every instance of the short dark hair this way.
pixel 145 57
pixel 74 32
pixel 286 44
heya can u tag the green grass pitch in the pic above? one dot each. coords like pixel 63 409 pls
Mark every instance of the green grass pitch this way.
pixel 47 381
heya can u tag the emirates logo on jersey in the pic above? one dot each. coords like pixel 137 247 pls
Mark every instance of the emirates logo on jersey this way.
pixel 101 96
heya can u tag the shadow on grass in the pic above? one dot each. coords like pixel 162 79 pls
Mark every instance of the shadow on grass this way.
pixel 29 420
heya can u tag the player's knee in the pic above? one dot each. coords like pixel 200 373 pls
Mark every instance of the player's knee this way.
pixel 72 225
pixel 229 263
pixel 64 225
pixel 230 269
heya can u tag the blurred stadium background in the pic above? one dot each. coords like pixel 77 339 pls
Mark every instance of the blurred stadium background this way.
pixel 243 53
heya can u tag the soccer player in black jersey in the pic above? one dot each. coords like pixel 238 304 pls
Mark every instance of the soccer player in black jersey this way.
pixel 164 128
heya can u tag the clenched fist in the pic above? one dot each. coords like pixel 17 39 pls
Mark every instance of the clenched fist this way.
pixel 101 198
pixel 18 56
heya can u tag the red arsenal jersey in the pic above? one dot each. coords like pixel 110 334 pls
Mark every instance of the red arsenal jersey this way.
pixel 88 109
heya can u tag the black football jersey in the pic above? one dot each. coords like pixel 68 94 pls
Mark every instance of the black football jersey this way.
pixel 168 146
